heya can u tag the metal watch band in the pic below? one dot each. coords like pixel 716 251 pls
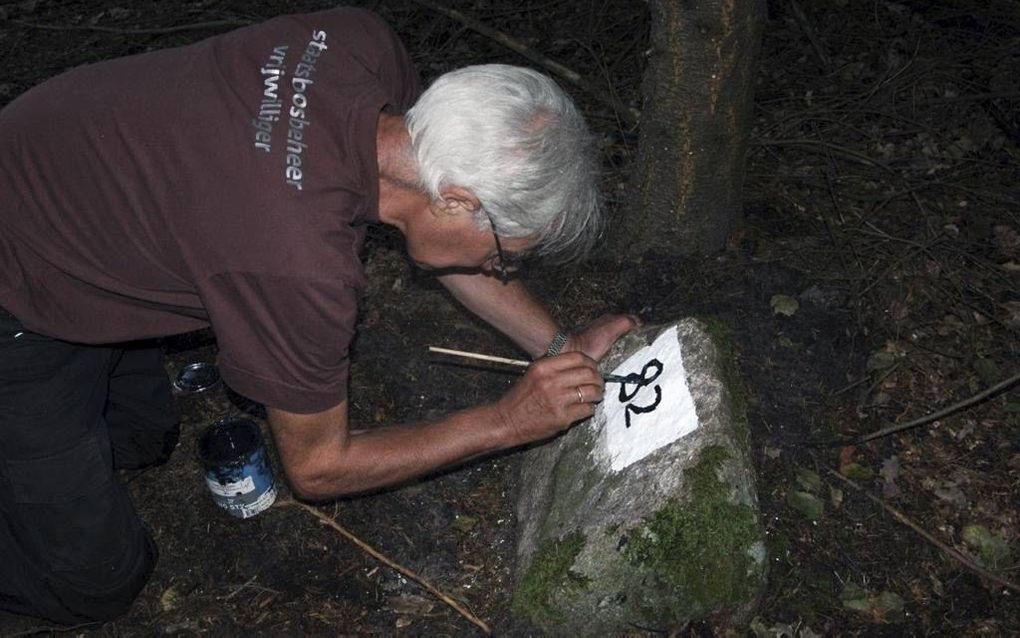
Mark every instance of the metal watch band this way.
pixel 557 344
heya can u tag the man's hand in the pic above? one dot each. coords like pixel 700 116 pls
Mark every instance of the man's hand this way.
pixel 324 459
pixel 596 340
pixel 554 393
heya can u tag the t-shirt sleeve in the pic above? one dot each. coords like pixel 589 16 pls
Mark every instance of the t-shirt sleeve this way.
pixel 283 341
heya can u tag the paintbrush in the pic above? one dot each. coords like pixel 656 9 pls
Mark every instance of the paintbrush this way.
pixel 617 378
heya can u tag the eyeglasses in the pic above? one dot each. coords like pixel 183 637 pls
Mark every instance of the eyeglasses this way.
pixel 506 262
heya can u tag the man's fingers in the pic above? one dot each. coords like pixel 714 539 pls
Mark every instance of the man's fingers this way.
pixel 586 393
pixel 580 411
pixel 565 361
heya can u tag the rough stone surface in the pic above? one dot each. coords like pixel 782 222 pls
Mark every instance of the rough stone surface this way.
pixel 671 538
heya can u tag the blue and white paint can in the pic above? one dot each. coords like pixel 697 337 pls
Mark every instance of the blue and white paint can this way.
pixel 237 467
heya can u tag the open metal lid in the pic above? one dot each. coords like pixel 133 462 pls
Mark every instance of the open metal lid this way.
pixel 197 377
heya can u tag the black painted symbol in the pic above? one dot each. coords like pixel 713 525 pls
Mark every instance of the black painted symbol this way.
pixel 640 381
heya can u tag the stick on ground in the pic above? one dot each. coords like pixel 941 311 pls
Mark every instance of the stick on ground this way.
pixel 382 558
pixel 935 416
pixel 946 549
pixel 214 24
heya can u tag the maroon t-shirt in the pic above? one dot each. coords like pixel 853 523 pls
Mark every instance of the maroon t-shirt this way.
pixel 224 183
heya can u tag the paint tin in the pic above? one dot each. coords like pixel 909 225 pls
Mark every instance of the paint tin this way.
pixel 237 468
pixel 197 377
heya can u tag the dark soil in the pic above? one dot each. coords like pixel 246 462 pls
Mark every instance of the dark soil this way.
pixel 881 196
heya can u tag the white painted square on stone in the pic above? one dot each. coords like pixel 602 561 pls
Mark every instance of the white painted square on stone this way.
pixel 673 417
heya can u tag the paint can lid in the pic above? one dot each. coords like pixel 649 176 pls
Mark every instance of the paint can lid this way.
pixel 197 377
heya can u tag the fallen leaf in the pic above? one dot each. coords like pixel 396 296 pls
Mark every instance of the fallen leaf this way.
pixel 847 454
pixel 890 490
pixel 787 343
pixel 465 523
pixel 965 430
pixel 890 472
pixel 855 597
pixel 881 360
pixel 857 472
pixel 807 504
pixel 887 606
pixel 890 469
pixel 784 305
pixel 992 549
pixel 169 599
pixel 809 480
pixel 411 605
pixel 882 398
pixel 951 493
pixel 836 496
pixel 778 630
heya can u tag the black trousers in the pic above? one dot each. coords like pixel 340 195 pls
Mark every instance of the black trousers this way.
pixel 72 548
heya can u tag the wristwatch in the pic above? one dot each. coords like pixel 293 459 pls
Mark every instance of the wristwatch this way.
pixel 557 344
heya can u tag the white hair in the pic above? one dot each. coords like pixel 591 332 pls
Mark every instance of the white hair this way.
pixel 512 137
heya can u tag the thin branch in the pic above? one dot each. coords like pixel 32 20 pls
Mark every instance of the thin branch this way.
pixel 953 553
pixel 371 551
pixel 629 115
pixel 195 26
pixel 809 32
pixel 812 145
pixel 956 407
pixel 53 629
pixel 241 588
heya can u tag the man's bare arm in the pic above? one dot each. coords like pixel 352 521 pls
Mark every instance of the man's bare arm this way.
pixel 324 459
pixel 512 310
pixel 508 307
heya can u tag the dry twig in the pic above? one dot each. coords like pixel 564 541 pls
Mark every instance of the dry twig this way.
pixel 374 553
pixel 809 32
pixel 214 24
pixel 53 629
pixel 953 553
pixel 934 416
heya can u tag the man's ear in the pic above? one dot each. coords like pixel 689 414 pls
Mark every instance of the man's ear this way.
pixel 456 199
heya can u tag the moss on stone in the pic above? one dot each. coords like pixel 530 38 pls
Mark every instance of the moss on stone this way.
pixel 548 573
pixel 729 366
pixel 701 549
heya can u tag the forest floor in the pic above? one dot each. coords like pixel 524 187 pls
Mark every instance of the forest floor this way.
pixel 875 282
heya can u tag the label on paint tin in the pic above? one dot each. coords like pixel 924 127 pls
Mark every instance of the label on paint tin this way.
pixel 239 488
pixel 261 503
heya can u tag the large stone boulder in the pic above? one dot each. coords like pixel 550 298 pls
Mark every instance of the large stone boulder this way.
pixel 645 517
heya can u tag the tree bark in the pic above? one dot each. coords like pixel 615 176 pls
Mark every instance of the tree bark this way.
pixel 698 89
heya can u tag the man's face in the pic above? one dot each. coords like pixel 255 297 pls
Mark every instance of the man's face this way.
pixel 446 236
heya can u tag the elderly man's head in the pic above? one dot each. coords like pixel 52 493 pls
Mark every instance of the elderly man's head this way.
pixel 516 141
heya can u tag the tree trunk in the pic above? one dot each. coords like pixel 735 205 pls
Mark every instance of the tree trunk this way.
pixel 685 194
